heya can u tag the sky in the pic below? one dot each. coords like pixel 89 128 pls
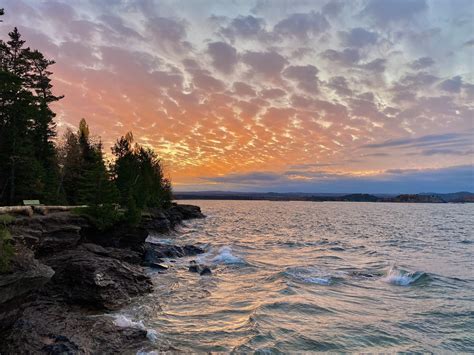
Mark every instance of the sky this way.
pixel 369 96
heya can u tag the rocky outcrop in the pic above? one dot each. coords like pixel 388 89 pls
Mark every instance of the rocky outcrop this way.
pixel 66 274
pixel 102 282
pixel 156 251
pixel 26 275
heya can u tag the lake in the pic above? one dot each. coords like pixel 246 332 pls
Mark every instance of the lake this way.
pixel 330 276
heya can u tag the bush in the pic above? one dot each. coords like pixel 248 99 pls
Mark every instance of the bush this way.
pixel 6 247
pixel 102 217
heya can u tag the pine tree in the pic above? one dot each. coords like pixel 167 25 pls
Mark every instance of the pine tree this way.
pixel 26 124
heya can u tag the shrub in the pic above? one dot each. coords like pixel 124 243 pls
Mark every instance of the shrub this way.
pixel 102 217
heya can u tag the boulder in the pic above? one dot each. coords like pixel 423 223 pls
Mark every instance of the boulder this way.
pixel 91 279
pixel 26 275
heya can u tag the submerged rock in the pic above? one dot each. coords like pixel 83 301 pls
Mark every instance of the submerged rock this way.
pixel 200 269
pixel 205 271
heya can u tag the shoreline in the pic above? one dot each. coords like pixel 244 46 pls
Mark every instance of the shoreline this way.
pixel 66 276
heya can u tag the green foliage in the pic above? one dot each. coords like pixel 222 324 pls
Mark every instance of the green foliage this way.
pixel 6 247
pixel 102 217
pixel 27 127
pixel 139 176
pixel 75 172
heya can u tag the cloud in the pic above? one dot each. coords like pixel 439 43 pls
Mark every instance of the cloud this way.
pixel 358 37
pixel 448 179
pixel 244 27
pixel 333 8
pixel 268 64
pixel 224 56
pixel 247 178
pixel 377 65
pixel 242 89
pixel 386 11
pixel 302 25
pixel 304 75
pixel 423 141
pixel 422 63
pixel 452 85
pixel 167 33
pixel 340 85
pixel 346 57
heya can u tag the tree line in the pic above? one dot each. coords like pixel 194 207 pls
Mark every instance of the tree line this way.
pixel 35 164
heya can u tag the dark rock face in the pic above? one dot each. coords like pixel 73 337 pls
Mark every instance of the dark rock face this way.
pixel 61 329
pixel 177 213
pixel 49 234
pixel 84 277
pixel 26 275
pixel 66 273
pixel 155 251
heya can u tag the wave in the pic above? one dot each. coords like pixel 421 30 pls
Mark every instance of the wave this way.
pixel 123 321
pixel 310 275
pixel 225 256
pixel 399 277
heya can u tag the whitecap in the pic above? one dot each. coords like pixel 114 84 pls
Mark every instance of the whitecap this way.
pixel 225 256
pixel 312 275
pixel 401 278
pixel 123 321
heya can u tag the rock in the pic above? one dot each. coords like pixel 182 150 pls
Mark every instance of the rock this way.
pixel 84 277
pixel 156 251
pixel 48 234
pixel 159 266
pixel 200 269
pixel 193 268
pixel 127 255
pixel 205 271
pixel 57 328
pixel 178 213
pixel 26 275
pixel 119 236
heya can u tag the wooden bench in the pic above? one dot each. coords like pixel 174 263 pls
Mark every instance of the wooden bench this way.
pixel 31 203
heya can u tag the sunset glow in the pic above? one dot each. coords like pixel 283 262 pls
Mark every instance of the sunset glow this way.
pixel 270 96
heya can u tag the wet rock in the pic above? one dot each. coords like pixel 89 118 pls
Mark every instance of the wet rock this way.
pixel 193 268
pixel 102 282
pixel 57 328
pixel 156 251
pixel 205 271
pixel 159 266
pixel 200 269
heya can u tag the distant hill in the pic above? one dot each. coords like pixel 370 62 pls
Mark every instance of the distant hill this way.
pixel 462 196
pixel 457 197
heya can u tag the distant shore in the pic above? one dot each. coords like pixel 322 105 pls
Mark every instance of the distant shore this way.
pixel 457 197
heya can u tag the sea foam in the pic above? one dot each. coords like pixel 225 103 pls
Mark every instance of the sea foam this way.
pixel 225 256
pixel 123 321
pixel 401 278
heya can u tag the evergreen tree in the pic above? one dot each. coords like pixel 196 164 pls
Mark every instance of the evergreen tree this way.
pixel 26 124
pixel 86 179
pixel 139 176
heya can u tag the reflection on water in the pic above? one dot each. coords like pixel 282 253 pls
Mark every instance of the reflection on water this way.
pixel 298 276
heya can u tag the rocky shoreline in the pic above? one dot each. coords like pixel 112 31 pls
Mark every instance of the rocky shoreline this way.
pixel 66 275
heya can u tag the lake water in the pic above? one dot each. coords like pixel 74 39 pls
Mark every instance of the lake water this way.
pixel 331 276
